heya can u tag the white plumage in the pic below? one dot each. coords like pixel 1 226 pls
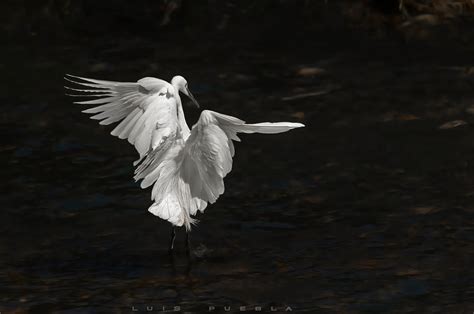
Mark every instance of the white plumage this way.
pixel 186 167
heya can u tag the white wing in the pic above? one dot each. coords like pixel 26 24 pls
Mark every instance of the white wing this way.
pixel 209 151
pixel 147 108
pixel 187 178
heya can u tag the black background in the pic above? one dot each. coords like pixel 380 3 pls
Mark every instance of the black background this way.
pixel 367 209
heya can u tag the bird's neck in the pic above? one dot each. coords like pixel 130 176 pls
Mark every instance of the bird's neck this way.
pixel 181 119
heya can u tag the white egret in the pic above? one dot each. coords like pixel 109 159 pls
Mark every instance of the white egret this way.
pixel 186 167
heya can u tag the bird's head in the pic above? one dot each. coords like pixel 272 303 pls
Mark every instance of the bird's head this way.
pixel 181 85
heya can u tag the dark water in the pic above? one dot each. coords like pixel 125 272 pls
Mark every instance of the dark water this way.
pixel 368 209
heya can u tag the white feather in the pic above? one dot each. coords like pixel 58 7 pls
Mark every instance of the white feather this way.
pixel 189 174
pixel 186 168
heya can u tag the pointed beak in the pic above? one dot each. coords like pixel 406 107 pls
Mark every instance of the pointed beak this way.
pixel 192 98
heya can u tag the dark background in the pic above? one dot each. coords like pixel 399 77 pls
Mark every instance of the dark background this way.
pixel 368 209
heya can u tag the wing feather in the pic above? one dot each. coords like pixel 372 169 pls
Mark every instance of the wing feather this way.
pixel 209 149
pixel 136 105
pixel 189 175
pixel 186 170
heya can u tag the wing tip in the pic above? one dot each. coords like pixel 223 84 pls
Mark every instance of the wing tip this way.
pixel 74 79
pixel 84 81
pixel 68 76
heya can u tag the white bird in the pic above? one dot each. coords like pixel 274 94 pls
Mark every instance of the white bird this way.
pixel 185 167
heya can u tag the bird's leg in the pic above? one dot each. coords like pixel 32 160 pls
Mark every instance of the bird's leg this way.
pixel 173 236
pixel 188 244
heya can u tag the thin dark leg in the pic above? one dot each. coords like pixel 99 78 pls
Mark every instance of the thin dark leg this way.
pixel 173 236
pixel 188 243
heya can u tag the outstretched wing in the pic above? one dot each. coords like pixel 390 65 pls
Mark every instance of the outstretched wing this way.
pixel 147 108
pixel 209 151
pixel 194 175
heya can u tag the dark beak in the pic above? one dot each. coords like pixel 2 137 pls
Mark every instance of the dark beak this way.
pixel 192 98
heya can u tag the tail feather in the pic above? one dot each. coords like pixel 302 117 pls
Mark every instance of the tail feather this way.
pixel 189 221
pixel 169 209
